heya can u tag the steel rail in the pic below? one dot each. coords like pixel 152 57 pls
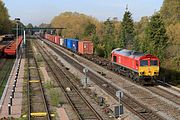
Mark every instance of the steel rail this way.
pixel 133 105
pixel 78 112
pixel 30 55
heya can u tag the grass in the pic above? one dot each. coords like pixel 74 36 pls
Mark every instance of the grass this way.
pixel 55 95
pixel 4 74
pixel 48 85
pixel 24 110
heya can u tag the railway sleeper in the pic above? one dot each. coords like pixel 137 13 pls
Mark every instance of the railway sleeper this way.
pixel 34 78
pixel 34 81
pixel 83 108
pixel 35 93
pixel 32 67
pixel 36 101
pixel 38 114
pixel 74 96
pixel 90 118
pixel 88 114
pixel 76 102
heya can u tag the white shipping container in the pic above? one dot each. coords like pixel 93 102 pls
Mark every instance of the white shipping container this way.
pixel 61 41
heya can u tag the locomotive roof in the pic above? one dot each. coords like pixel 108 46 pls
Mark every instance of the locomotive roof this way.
pixel 132 54
pixel 129 53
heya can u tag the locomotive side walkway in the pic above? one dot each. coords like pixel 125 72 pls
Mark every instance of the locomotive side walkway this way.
pixel 17 100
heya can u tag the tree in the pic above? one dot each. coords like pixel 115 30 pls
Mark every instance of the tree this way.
pixel 127 31
pixel 170 11
pixel 140 41
pixel 29 25
pixel 156 36
pixel 44 25
pixel 75 23
pixel 90 29
pixel 108 37
pixel 5 23
pixel 95 40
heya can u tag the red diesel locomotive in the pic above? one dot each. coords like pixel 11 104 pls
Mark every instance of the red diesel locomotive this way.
pixel 140 67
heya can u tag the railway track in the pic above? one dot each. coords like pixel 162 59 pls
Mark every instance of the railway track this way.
pixel 170 96
pixel 140 110
pixel 153 88
pixel 165 94
pixel 80 105
pixel 37 103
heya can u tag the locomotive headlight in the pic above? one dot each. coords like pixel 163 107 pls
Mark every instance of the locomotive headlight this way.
pixel 155 73
pixel 142 73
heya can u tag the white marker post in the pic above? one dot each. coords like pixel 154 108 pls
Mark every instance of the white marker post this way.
pixel 85 70
pixel 24 37
pixel 119 94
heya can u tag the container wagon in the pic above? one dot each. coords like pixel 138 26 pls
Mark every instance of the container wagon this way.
pixel 68 43
pixel 74 45
pixel 57 40
pixel 61 41
pixel 85 47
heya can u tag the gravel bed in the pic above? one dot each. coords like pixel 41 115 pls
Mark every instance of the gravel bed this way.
pixel 161 105
pixel 78 74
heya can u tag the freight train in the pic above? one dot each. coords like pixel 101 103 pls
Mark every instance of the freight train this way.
pixel 140 67
pixel 75 45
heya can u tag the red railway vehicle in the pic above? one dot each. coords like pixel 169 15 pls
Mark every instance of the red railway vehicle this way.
pixel 10 50
pixel 50 37
pixel 85 47
pixel 46 36
pixel 57 40
pixel 138 66
pixel 82 47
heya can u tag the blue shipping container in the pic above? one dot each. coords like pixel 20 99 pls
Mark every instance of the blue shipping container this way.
pixel 69 43
pixel 74 45
pixel 65 43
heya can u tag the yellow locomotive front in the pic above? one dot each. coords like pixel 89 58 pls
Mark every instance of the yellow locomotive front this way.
pixel 148 70
pixel 149 67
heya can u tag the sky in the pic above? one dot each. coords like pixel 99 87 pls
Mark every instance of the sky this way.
pixel 43 11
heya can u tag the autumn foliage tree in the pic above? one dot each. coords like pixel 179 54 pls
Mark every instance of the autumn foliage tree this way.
pixel 75 23
pixel 158 34
pixel 90 29
pixel 170 11
pixel 5 23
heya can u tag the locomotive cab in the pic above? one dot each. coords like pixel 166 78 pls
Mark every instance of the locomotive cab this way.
pixel 149 66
